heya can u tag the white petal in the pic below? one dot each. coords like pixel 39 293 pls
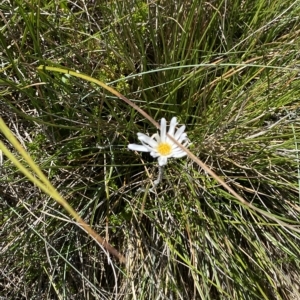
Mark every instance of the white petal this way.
pixel 136 147
pixel 187 143
pixel 148 147
pixel 173 124
pixel 163 129
pixel 182 138
pixel 177 150
pixel 162 160
pixel 179 154
pixel 154 154
pixel 146 139
pixel 179 132
pixel 156 137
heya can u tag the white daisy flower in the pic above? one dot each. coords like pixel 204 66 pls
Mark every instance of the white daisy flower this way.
pixel 161 145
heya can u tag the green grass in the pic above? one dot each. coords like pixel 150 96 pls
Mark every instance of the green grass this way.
pixel 229 71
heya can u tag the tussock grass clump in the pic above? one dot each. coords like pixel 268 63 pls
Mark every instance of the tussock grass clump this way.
pixel 229 72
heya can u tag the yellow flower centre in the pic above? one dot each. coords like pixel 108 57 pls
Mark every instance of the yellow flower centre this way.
pixel 164 149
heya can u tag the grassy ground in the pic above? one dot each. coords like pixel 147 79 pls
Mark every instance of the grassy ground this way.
pixel 229 71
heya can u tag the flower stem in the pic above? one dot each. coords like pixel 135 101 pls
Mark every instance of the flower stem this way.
pixel 160 176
